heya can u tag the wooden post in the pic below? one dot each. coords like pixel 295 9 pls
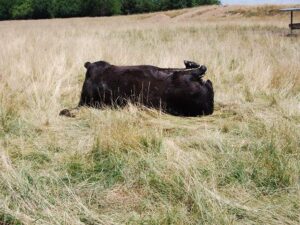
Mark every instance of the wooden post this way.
pixel 291 22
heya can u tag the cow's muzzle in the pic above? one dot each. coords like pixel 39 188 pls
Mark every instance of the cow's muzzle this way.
pixel 67 113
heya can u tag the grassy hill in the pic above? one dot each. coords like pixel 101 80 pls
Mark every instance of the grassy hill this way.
pixel 140 166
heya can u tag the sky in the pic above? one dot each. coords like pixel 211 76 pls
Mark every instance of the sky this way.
pixel 242 2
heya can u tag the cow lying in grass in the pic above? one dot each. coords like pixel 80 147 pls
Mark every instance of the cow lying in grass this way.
pixel 176 91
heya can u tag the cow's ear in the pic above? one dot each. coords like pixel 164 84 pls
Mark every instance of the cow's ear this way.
pixel 87 64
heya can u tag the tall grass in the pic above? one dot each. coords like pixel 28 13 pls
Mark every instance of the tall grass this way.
pixel 140 166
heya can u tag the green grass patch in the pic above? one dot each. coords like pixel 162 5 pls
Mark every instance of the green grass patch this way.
pixel 38 158
pixel 271 169
pixel 98 166
pixel 6 219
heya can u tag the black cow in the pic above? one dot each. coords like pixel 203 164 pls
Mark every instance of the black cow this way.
pixel 176 91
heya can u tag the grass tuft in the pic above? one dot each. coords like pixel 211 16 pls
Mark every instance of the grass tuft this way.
pixel 6 219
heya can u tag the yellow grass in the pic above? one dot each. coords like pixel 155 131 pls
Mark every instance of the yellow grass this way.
pixel 141 166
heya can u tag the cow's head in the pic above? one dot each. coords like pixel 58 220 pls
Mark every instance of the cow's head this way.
pixel 93 68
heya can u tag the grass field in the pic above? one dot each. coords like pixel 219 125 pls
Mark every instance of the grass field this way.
pixel 140 166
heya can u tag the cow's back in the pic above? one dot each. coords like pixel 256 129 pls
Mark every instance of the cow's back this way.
pixel 117 84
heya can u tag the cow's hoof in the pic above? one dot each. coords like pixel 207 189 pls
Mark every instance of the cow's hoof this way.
pixel 202 70
pixel 67 113
pixel 190 64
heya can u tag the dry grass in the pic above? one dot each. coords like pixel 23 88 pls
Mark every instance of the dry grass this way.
pixel 140 166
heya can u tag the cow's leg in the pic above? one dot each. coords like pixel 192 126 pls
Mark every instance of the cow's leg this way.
pixel 197 73
pixel 190 64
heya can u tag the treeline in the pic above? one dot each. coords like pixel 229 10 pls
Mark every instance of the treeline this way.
pixel 39 9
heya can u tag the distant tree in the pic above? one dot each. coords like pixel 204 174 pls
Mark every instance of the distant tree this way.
pixel 207 2
pixel 5 9
pixel 26 9
pixel 101 7
pixel 129 6
pixel 177 4
pixel 115 6
pixel 22 9
pixel 42 9
pixel 91 7
pixel 145 6
pixel 164 4
pixel 66 8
